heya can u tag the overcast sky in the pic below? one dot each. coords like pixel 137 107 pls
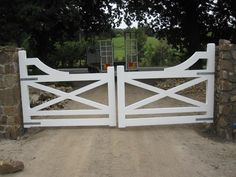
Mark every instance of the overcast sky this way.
pixel 123 25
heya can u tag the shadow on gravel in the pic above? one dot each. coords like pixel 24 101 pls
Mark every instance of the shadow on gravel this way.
pixel 208 131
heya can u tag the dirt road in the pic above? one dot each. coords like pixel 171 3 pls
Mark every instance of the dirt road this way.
pixel 160 151
pixel 163 151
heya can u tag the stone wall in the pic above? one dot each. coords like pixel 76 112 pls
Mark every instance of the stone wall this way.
pixel 225 93
pixel 10 107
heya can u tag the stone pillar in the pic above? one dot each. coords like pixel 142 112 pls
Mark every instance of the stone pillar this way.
pixel 10 102
pixel 225 87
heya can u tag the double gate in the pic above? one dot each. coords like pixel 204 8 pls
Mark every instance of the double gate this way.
pixel 134 114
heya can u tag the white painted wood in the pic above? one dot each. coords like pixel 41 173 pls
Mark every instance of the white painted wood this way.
pixel 145 101
pixel 70 77
pixel 164 93
pixel 179 71
pixel 65 96
pixel 187 84
pixel 69 112
pixel 24 87
pixel 43 67
pixel 186 99
pixel 163 74
pixel 165 110
pixel 145 86
pixel 75 92
pixel 25 101
pixel 68 122
pixel 59 76
pixel 170 93
pixel 22 66
pixel 47 104
pixel 211 57
pixel 210 96
pixel 167 120
pixel 112 95
pixel 188 63
pixel 121 96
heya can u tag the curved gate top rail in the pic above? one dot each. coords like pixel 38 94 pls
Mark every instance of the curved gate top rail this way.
pixel 52 75
pixel 179 71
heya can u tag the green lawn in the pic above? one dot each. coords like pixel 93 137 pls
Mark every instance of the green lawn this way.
pixel 119 48
pixel 153 41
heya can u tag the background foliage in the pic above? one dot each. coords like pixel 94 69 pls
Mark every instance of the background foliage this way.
pixel 58 31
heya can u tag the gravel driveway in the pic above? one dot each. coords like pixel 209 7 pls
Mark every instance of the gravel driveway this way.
pixel 158 151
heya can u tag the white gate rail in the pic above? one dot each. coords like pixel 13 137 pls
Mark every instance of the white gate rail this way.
pixel 59 76
pixel 179 71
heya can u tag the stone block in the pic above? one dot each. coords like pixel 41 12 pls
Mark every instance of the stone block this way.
pixel 232 77
pixel 233 47
pixel 226 65
pixel 226 55
pixel 13 131
pixel 10 69
pixel 225 86
pixel 226 109
pixel 2 69
pixel 234 108
pixel 2 84
pixel 234 119
pixel 10 110
pixel 8 53
pixel 224 44
pixel 4 57
pixel 235 68
pixel 11 120
pixel 18 118
pixel 233 98
pixel 226 132
pixel 9 96
pixel 6 98
pixel 233 53
pixel 17 93
pixel 16 131
pixel 10 166
pixel 224 98
pixel 224 74
pixel 11 80
pixel 16 67
pixel 220 110
pixel 2 128
pixel 221 121
pixel 14 56
pixel 3 119
pixel 7 133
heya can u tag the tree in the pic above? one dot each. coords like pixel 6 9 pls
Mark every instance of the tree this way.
pixel 70 53
pixel 186 23
pixel 43 23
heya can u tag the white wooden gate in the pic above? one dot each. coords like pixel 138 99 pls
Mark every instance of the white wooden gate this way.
pixel 179 71
pixel 135 109
pixel 53 75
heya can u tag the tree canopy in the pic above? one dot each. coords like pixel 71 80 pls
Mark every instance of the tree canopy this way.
pixel 43 23
pixel 186 23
